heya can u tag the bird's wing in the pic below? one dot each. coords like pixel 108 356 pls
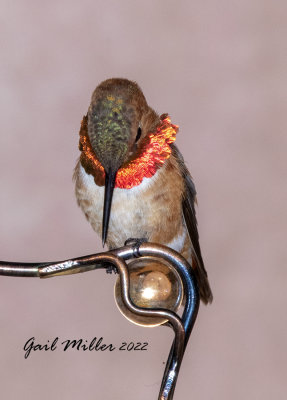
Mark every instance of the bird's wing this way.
pixel 189 215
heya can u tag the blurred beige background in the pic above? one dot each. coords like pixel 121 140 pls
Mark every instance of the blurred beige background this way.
pixel 219 68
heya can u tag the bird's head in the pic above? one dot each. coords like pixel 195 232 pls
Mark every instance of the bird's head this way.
pixel 115 121
pixel 118 120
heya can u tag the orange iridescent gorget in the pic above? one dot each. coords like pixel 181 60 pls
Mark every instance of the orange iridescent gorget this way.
pixel 155 150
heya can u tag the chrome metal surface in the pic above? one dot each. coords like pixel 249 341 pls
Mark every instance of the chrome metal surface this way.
pixel 182 326
pixel 190 309
pixel 19 269
pixel 154 283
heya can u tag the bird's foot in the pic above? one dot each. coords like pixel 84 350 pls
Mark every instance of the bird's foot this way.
pixel 135 243
pixel 110 268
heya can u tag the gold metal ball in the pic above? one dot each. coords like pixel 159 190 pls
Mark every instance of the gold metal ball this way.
pixel 153 284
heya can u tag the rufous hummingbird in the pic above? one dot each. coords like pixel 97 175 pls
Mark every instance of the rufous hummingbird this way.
pixel 131 180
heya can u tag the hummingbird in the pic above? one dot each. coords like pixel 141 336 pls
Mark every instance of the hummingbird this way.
pixel 131 180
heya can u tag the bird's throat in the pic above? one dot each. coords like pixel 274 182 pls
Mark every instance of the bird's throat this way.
pixel 154 150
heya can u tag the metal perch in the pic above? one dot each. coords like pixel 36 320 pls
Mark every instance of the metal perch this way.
pixel 182 326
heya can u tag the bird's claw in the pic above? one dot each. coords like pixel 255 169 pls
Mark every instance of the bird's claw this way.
pixel 110 268
pixel 135 243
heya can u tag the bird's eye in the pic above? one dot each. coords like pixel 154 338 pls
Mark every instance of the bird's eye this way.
pixel 138 134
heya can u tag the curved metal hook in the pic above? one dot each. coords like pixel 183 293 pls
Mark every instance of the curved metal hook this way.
pixel 182 326
pixel 190 309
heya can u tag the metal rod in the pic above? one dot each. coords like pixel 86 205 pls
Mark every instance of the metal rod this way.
pixel 190 309
pixel 182 326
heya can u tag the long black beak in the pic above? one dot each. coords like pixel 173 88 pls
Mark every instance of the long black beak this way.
pixel 109 189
